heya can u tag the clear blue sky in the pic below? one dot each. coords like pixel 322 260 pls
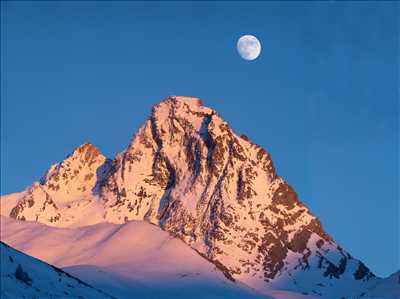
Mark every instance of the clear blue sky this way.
pixel 322 98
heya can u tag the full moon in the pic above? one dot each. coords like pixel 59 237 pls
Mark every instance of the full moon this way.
pixel 249 47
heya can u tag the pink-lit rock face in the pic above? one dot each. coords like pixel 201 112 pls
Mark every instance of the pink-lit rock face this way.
pixel 186 171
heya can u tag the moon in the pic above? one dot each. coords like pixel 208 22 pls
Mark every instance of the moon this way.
pixel 249 47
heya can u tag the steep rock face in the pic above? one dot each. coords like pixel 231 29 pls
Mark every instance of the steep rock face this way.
pixel 188 172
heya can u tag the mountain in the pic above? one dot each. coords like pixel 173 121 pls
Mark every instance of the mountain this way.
pixel 131 260
pixel 388 288
pixel 187 172
pixel 23 276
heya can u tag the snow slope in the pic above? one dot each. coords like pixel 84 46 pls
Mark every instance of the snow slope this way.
pixel 23 276
pixel 132 260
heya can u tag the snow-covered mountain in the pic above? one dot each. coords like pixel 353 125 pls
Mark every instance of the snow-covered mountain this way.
pixel 23 276
pixel 186 171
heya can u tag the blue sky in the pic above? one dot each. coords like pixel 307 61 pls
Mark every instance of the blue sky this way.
pixel 322 97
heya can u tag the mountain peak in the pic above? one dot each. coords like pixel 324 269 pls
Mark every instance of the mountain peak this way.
pixel 86 149
pixel 85 146
pixel 180 100
pixel 77 171
pixel 85 158
pixel 180 107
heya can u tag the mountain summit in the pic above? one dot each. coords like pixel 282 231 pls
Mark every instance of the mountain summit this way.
pixel 186 171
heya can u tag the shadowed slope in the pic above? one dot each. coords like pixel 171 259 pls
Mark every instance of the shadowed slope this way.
pixel 23 276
